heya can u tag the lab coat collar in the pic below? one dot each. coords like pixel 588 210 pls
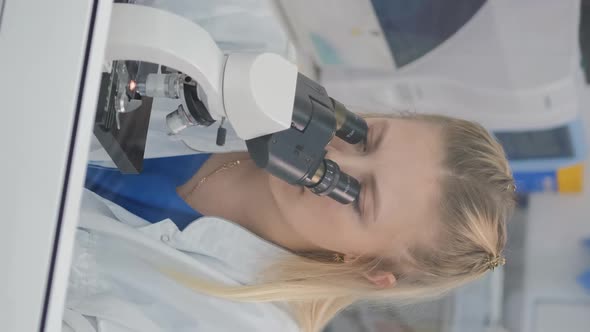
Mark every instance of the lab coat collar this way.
pixel 225 242
pixel 241 254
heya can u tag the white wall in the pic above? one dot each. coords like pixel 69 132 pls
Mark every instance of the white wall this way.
pixel 554 256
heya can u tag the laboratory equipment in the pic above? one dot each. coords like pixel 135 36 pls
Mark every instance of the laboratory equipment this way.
pixel 286 118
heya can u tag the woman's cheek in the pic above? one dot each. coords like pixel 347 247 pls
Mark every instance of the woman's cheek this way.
pixel 284 192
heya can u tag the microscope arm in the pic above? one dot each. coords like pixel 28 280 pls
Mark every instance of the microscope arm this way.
pixel 254 92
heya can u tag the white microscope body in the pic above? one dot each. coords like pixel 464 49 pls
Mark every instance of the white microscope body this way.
pixel 254 92
pixel 285 118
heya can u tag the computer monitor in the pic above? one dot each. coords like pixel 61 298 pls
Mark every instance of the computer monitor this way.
pixel 50 69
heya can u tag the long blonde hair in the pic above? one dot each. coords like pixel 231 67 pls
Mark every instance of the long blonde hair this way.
pixel 477 197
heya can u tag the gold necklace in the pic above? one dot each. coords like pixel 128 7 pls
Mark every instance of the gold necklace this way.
pixel 226 166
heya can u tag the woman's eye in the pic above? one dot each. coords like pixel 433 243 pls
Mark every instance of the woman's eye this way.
pixel 357 205
pixel 365 143
pixel 362 146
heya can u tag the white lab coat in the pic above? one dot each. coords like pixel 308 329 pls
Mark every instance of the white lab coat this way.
pixel 116 284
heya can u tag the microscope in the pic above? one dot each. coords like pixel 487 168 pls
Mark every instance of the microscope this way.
pixel 285 118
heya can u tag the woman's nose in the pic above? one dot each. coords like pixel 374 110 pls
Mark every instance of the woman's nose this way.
pixel 349 161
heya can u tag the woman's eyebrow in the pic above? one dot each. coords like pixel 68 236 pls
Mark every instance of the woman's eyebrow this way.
pixel 375 192
pixel 382 130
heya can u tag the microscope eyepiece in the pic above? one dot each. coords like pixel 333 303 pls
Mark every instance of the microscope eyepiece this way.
pixel 330 181
pixel 350 127
pixel 297 155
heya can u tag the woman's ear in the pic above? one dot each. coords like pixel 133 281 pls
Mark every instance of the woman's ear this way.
pixel 381 279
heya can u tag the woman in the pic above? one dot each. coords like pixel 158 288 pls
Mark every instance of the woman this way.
pixel 436 193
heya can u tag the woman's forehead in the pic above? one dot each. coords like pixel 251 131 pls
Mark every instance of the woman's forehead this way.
pixel 408 165
pixel 408 141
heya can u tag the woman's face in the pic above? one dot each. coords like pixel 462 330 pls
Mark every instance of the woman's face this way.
pixel 398 170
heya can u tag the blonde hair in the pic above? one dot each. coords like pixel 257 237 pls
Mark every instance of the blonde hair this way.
pixel 477 198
